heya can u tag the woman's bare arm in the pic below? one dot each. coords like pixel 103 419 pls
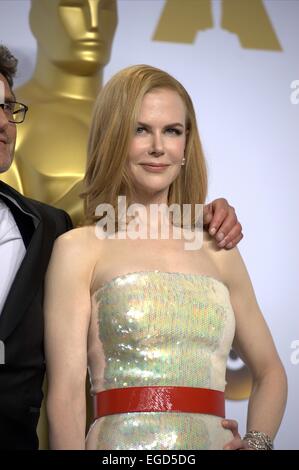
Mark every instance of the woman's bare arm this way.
pixel 67 315
pixel 254 344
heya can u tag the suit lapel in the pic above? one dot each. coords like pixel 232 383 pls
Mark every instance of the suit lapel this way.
pixel 30 275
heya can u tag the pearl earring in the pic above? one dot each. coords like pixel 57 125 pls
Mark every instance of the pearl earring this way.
pixel 183 161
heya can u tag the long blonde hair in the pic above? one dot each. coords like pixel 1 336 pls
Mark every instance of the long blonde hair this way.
pixel 114 119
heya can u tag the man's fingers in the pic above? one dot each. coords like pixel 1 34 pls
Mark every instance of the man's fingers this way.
pixel 235 444
pixel 217 220
pixel 235 232
pixel 227 225
pixel 222 223
pixel 234 242
pixel 232 425
pixel 207 214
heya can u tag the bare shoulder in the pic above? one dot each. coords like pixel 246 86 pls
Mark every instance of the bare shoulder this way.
pixel 77 235
pixel 209 245
pixel 82 238
pixel 229 263
pixel 79 246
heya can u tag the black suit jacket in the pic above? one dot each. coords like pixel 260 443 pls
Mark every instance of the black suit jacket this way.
pixel 21 321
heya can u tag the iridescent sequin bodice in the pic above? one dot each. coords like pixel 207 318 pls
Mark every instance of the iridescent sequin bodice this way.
pixel 159 328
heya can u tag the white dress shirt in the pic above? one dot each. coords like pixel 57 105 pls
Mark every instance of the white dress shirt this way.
pixel 12 251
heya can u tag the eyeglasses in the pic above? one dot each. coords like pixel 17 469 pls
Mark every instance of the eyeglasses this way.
pixel 14 111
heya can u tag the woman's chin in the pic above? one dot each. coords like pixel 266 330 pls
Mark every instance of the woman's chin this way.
pixel 153 192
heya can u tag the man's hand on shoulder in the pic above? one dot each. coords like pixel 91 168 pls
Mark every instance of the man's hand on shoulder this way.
pixel 222 224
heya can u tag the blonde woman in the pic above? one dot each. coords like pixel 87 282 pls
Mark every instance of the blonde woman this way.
pixel 153 321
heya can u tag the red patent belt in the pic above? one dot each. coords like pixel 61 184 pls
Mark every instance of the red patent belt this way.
pixel 145 399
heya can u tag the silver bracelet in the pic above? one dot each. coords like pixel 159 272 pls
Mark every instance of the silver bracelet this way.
pixel 258 440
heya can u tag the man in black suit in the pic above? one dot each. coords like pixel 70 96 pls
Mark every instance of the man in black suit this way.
pixel 27 232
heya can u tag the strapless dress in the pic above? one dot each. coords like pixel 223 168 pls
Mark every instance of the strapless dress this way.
pixel 154 328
